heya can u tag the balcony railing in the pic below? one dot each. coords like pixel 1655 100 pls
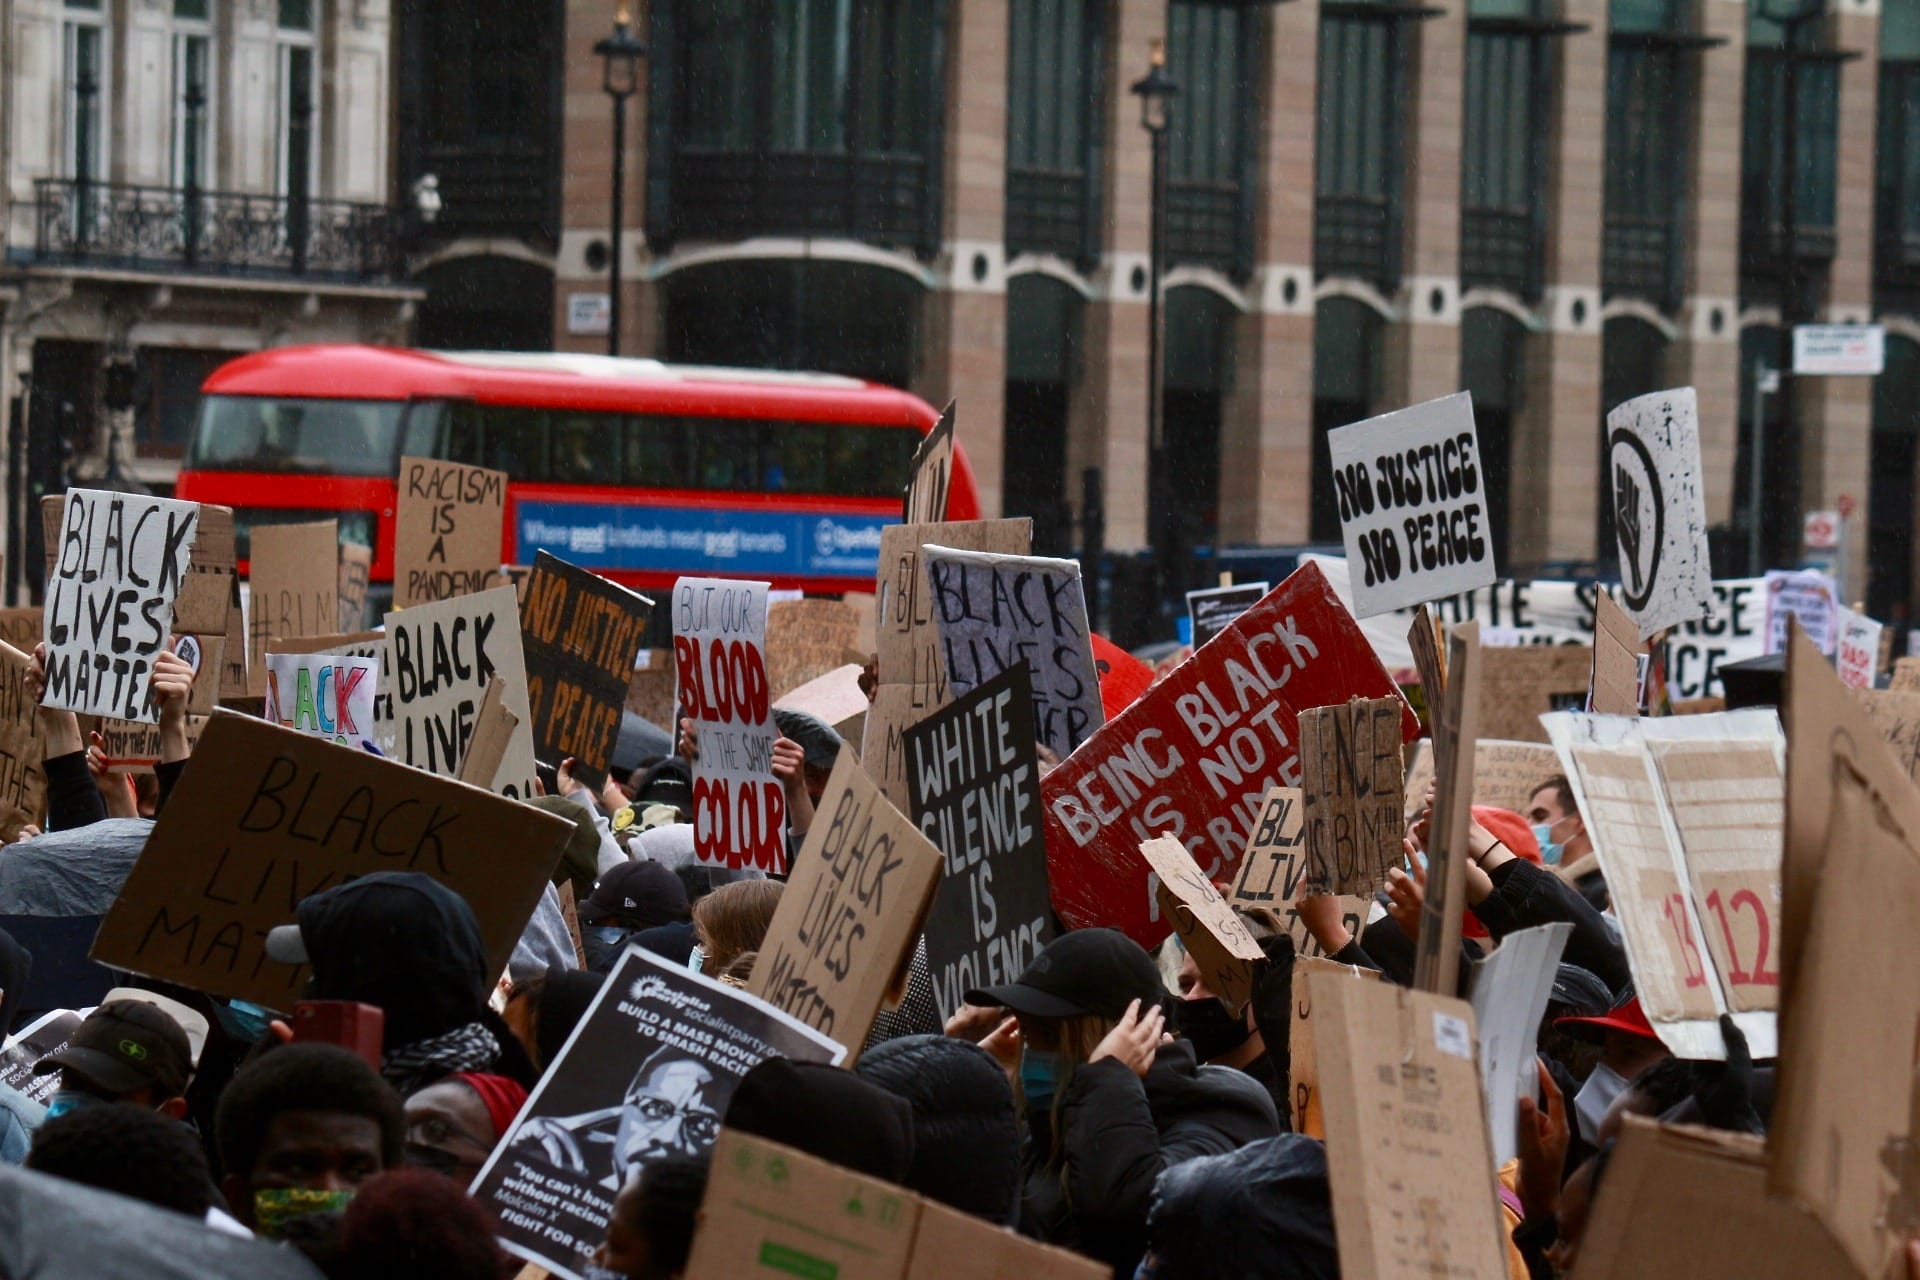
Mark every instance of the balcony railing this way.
pixel 1047 213
pixel 173 229
pixel 1208 225
pixel 1357 236
pixel 1500 249
pixel 1639 258
pixel 878 197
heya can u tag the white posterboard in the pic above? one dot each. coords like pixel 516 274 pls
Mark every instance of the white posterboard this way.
pixel 117 570
pixel 439 661
pixel 1412 496
pixel 1659 510
pixel 720 669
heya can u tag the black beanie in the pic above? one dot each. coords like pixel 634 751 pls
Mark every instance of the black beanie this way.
pixel 966 1138
pixel 829 1113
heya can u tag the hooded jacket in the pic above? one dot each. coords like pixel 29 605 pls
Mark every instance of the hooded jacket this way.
pixel 966 1137
pixel 1265 1210
pixel 1118 1133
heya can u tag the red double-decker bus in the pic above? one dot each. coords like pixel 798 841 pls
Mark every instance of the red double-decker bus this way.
pixel 639 470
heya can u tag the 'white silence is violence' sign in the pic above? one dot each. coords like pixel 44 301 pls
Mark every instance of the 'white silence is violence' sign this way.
pixel 1412 498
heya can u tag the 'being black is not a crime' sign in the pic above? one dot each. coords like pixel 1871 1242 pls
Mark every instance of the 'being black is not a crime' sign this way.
pixel 1413 511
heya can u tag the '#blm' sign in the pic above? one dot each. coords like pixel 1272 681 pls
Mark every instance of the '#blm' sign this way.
pixel 581 633
pixel 1659 511
pixel 720 664
pixel 1413 508
pixel 975 780
pixel 118 568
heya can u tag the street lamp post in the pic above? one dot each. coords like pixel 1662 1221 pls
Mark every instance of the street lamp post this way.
pixel 1156 91
pixel 621 52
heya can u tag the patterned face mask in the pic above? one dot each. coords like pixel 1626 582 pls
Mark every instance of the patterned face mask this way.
pixel 274 1207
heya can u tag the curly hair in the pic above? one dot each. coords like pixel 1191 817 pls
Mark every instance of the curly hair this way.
pixel 128 1150
pixel 415 1224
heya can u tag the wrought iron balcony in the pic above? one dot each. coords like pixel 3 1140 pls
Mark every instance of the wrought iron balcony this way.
pixel 1640 258
pixel 1357 236
pixel 173 229
pixel 1210 225
pixel 1501 249
pixel 1047 213
pixel 879 197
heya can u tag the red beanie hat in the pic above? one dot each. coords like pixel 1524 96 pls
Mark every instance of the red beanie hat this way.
pixel 1510 829
pixel 502 1098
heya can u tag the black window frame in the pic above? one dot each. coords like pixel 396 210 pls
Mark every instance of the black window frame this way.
pixel 890 198
pixel 1209 221
pixel 1050 209
pixel 1897 180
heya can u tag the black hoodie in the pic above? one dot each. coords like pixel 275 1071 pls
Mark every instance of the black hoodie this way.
pixel 1119 1133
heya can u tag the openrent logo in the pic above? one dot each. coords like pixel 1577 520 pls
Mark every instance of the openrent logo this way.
pixel 831 538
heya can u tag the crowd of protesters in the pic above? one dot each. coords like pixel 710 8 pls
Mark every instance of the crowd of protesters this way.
pixel 1098 1102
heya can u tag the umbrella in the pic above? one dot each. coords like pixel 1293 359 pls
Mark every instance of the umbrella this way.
pixel 52 1229
pixel 640 740
pixel 53 891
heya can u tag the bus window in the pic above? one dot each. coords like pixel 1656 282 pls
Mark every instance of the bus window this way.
pixel 657 452
pixel 728 454
pixel 797 460
pixel 505 437
pixel 424 433
pixel 867 462
pixel 585 448
pixel 319 437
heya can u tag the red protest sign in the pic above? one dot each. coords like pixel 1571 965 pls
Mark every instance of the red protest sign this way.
pixel 1194 757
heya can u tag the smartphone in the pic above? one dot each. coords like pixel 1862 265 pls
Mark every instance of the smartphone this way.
pixel 361 1028
pixel 549 778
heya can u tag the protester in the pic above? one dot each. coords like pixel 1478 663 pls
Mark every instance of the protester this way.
pixel 133 1151
pixel 542 1012
pixel 1108 1099
pixel 733 920
pixel 630 898
pixel 299 1129
pixel 1223 1038
pixel 650 1232
pixel 1265 1210
pixel 453 1125
pixel 826 1112
pixel 411 1224
pixel 408 945
pixel 966 1134
pixel 1628 1046
pixel 126 1051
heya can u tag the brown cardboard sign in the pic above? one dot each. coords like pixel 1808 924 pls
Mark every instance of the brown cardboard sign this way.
pixel 1206 925
pixel 133 747
pixel 21 627
pixel 847 921
pixel 1424 638
pixel 1352 775
pixel 294 591
pixel 447 527
pixel 23 778
pixel 950 1245
pixel 930 480
pixel 1615 688
pixel 1274 869
pixel 264 817
pixel 1505 773
pixel 1906 676
pixel 493 727
pixel 1520 685
pixel 1897 716
pixel 356 568
pixel 833 699
pixel 1455 729
pixel 1680 1203
pixel 1305 1072
pixel 771 1211
pixel 1845 1132
pixel 1408 1153
pixel 806 639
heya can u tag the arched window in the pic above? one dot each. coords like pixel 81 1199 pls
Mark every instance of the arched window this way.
pixel 1044 318
pixel 1359 169
pixel 784 313
pixel 1493 367
pixel 485 303
pixel 1349 340
pixel 1633 362
pixel 1890 492
pixel 1214 55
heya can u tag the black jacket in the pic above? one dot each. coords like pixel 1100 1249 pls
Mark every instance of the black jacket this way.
pixel 1525 894
pixel 1119 1132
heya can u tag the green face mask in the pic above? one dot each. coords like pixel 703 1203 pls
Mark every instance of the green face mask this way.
pixel 274 1207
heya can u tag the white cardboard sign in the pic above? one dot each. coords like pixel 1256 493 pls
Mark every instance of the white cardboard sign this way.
pixel 1413 512
pixel 1810 596
pixel 440 658
pixel 323 694
pixel 1857 654
pixel 116 572
pixel 720 667
pixel 1659 509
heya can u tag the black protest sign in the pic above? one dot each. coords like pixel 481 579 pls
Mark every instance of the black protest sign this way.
pixel 1413 505
pixel 647 1074
pixel 993 612
pixel 1213 610
pixel 264 817
pixel 931 477
pixel 580 634
pixel 1353 779
pixel 974 777
pixel 845 927
pixel 119 566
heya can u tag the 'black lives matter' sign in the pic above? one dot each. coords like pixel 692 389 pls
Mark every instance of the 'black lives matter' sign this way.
pixel 1413 508
pixel 974 776
pixel 580 633
pixel 119 566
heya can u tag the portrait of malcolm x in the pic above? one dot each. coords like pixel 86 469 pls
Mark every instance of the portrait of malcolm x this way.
pixel 672 1107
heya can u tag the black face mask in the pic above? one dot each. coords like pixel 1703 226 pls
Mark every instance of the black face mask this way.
pixel 1211 1029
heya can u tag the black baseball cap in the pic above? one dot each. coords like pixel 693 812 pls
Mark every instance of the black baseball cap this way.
pixel 124 1046
pixel 1581 991
pixel 1088 971
pixel 666 781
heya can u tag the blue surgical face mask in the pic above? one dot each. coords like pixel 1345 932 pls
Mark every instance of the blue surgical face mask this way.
pixel 1550 849
pixel 697 959
pixel 66 1100
pixel 1039 1078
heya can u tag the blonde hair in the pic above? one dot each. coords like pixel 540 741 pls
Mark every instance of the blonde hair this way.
pixel 733 920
